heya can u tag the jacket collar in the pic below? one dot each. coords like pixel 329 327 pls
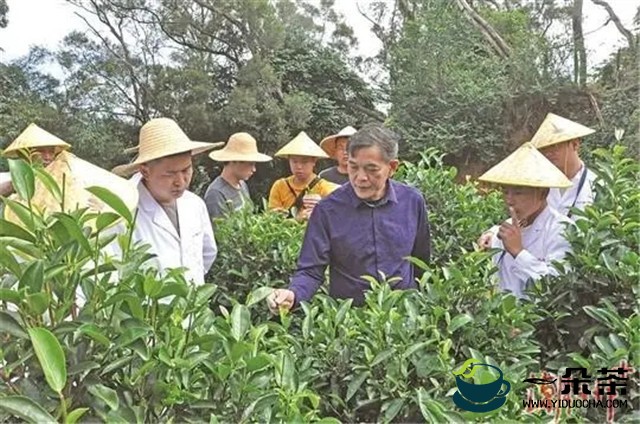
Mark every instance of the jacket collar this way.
pixel 389 196
pixel 148 204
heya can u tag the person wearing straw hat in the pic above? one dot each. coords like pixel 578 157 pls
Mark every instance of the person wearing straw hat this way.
pixel 229 191
pixel 558 139
pixel 299 193
pixel 533 238
pixel 171 219
pixel 367 227
pixel 34 144
pixel 336 147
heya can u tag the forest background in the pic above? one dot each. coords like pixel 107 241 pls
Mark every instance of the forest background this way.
pixel 472 78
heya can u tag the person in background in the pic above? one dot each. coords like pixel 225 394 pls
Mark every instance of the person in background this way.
pixel 298 194
pixel 171 219
pixel 533 238
pixel 34 144
pixel 558 139
pixel 336 147
pixel 229 192
pixel 366 227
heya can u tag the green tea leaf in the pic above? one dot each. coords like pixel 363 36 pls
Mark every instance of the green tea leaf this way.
pixel 23 213
pixel 459 321
pixel 106 394
pixel 33 277
pixel 8 324
pixel 11 296
pixel 258 295
pixel 392 408
pixel 22 178
pixel 8 261
pixel 50 356
pixel 9 229
pixel 106 219
pixel 354 385
pixel 26 409
pixel 113 201
pixel 240 321
pixel 38 302
pixel 75 415
pixel 382 356
pixel 75 232
pixel 94 332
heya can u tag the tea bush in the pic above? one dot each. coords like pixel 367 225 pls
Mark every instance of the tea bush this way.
pixel 145 348
pixel 254 251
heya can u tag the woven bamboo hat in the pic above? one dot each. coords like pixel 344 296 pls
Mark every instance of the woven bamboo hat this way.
pixel 301 145
pixel 556 129
pixel 159 138
pixel 241 147
pixel 77 175
pixel 526 167
pixel 328 144
pixel 33 137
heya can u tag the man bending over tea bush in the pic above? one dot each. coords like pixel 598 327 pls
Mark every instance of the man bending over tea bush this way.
pixel 363 228
pixel 534 236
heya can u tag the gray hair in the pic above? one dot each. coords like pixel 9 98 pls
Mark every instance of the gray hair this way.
pixel 372 135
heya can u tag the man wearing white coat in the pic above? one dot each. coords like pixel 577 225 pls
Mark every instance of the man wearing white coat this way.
pixel 170 218
pixel 558 139
pixel 533 238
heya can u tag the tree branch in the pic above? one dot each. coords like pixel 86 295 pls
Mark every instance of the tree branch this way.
pixel 616 20
pixel 498 44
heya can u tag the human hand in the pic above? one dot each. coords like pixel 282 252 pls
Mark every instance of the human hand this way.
pixel 510 234
pixel 280 299
pixel 484 242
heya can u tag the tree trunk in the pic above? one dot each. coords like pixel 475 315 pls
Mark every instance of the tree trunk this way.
pixel 579 51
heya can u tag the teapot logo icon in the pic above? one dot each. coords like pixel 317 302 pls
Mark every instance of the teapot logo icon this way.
pixel 479 397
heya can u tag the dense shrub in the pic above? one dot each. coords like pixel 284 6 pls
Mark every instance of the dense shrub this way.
pixel 150 349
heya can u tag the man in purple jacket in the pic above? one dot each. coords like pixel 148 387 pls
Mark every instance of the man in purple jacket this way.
pixel 365 227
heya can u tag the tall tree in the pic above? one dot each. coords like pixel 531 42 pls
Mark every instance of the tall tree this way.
pixel 579 50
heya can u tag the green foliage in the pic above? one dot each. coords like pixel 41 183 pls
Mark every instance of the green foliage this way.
pixel 138 347
pixel 457 213
pixel 605 264
pixel 254 251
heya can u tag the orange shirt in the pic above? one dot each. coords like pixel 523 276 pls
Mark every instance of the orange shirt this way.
pixel 281 197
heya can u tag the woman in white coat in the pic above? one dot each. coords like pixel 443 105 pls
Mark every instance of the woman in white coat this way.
pixel 171 219
pixel 533 238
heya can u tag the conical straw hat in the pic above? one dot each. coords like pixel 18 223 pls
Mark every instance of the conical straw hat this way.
pixel 301 145
pixel 526 167
pixel 328 143
pixel 77 175
pixel 241 147
pixel 162 137
pixel 556 129
pixel 32 137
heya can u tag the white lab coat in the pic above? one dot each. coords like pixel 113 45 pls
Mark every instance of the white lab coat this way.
pixel 562 199
pixel 543 242
pixel 195 248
